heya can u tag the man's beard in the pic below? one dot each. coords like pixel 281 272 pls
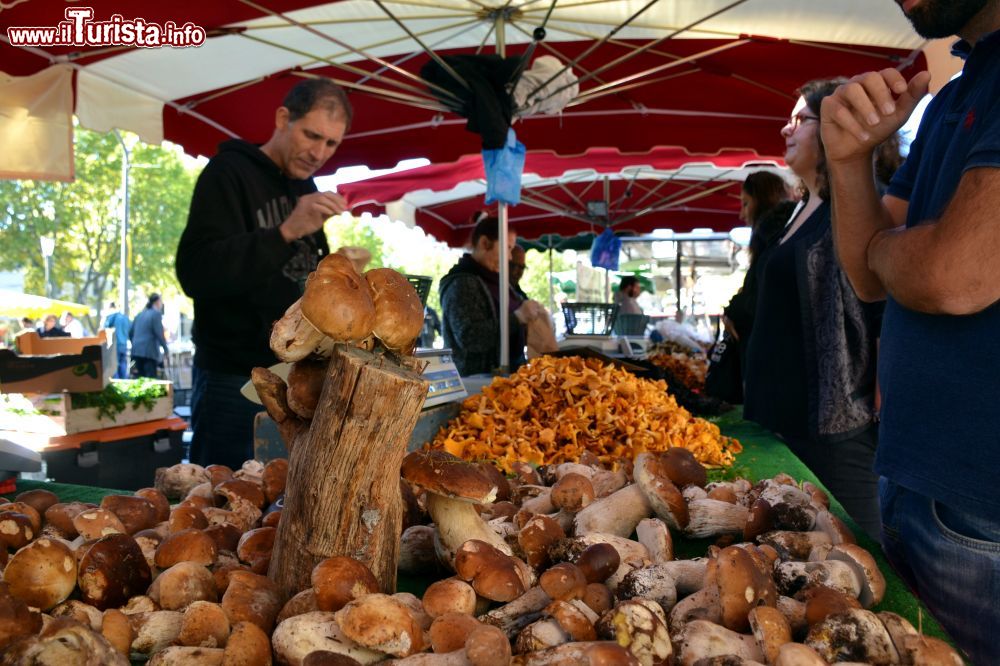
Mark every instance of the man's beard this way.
pixel 934 19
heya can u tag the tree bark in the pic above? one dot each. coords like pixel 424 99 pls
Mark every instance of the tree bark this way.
pixel 342 496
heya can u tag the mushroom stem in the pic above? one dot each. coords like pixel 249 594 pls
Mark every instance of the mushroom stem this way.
pixel 457 522
pixel 617 514
pixel 701 639
pixel 517 614
pixel 710 517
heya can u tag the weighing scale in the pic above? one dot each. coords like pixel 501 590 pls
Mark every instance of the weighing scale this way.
pixel 441 373
pixel 618 346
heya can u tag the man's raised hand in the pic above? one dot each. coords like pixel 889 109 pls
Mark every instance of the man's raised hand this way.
pixel 310 212
pixel 867 110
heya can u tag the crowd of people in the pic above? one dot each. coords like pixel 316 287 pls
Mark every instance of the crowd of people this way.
pixel 842 280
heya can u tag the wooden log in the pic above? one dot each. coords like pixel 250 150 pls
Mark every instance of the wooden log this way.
pixel 343 496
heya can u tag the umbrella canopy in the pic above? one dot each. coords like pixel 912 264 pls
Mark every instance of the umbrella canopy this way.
pixel 704 74
pixel 15 305
pixel 565 200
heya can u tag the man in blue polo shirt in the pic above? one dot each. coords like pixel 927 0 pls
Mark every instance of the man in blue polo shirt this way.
pixel 931 249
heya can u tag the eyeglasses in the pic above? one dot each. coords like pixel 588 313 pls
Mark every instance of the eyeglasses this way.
pixel 795 121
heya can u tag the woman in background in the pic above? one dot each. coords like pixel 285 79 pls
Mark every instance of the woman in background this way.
pixel 810 369
pixel 470 305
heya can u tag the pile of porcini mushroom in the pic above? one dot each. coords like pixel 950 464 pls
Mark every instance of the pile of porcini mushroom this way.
pixel 537 569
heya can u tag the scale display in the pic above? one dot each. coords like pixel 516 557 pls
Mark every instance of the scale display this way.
pixel 445 385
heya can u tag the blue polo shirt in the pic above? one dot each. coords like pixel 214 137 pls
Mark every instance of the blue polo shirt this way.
pixel 940 375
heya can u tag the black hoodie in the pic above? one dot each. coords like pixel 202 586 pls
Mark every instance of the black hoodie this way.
pixel 233 262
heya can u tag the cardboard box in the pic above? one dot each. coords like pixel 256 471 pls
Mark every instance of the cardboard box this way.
pixel 50 365
pixel 62 419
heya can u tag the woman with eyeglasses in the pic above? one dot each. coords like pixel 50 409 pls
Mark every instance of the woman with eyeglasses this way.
pixel 810 368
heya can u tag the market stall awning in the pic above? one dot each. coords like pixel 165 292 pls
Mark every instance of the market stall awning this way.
pixel 706 75
pixel 14 304
pixel 564 197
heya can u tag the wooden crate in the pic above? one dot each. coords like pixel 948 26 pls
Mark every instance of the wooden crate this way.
pixel 64 420
pixel 47 365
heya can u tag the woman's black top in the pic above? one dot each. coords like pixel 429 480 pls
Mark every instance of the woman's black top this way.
pixel 776 380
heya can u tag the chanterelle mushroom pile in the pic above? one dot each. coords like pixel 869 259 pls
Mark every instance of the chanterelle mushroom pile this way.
pixel 555 410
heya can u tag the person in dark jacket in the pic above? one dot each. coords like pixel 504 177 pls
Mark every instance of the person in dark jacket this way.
pixel 149 345
pixel 810 369
pixel 254 232
pixel 470 305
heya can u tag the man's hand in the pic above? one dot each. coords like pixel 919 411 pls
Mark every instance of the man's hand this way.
pixel 867 110
pixel 311 211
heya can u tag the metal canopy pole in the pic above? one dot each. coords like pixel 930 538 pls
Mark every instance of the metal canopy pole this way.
pixel 123 274
pixel 504 251
pixel 552 295
pixel 677 278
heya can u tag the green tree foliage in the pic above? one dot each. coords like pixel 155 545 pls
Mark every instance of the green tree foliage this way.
pixel 349 231
pixel 85 216
pixel 535 282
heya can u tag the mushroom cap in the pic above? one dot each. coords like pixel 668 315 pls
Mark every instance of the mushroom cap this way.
pixel 449 596
pixel 204 625
pixel 872 580
pixel 96 523
pixel 742 585
pixel 238 489
pixel 834 528
pixel 443 474
pixel 572 492
pixel 449 632
pixel 159 500
pixel 117 631
pixel 759 521
pixel 274 478
pixel 253 598
pixel 493 574
pixel 27 509
pixel 16 619
pixel 60 516
pixel 40 499
pixel 183 584
pixel 339 580
pixel 225 535
pixel 856 635
pixel 218 473
pixel 822 601
pixel 327 658
pixel 185 517
pixel 382 623
pixel 338 301
pixel 64 641
pixel 798 654
pixel 598 561
pixel 683 468
pixel 487 646
pixel 189 545
pixel 247 644
pixel 42 574
pixel 399 314
pixel 15 530
pixel 305 383
pixel 770 629
pixel 536 536
pixel 572 620
pixel 256 545
pixel 301 635
pixel 135 513
pixel 563 582
pixel 640 628
pixel 112 570
pixel 303 602
pixel 598 597
pixel 928 651
pixel 651 476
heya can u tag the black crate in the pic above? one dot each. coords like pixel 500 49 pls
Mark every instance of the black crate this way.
pixel 126 464
pixel 589 318
pixel 631 324
pixel 422 284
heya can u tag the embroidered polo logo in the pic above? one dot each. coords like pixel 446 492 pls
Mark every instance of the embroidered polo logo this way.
pixel 970 119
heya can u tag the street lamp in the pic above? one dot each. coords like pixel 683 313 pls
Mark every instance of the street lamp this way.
pixel 48 244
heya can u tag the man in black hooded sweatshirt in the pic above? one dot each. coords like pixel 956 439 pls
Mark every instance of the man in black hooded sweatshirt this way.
pixel 255 230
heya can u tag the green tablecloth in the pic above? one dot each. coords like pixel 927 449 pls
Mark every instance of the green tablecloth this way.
pixel 763 456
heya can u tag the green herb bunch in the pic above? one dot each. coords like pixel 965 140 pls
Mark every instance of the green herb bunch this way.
pixel 119 394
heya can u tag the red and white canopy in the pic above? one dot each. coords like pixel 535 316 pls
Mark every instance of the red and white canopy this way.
pixel 705 74
pixel 664 188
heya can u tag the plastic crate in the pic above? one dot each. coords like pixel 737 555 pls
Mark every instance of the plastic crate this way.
pixel 422 283
pixel 589 318
pixel 631 324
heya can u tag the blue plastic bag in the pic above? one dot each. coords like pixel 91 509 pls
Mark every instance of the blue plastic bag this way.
pixel 503 168
pixel 604 252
